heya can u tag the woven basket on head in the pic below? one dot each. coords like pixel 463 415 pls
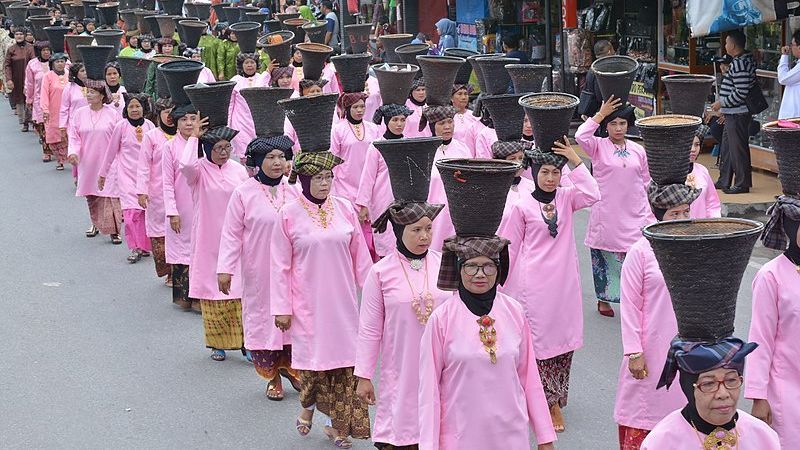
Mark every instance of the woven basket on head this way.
pixel 462 77
pixel 295 25
pixel 409 162
pixel 72 42
pixel 55 35
pixel 528 78
pixel 108 13
pixel 109 37
pixel 149 5
pixel 34 10
pixel 191 9
pixel 285 16
pixel 246 35
pixel 245 10
pixel 172 7
pixel 38 24
pixel 192 31
pixel 281 50
pixel 123 4
pixel 357 37
pixel 179 27
pixel 268 117
pixel 231 14
pixel 178 74
pixel 74 10
pixel 17 13
pixel 129 17
pixel 152 23
pixel 477 68
pixel 202 11
pixel 311 118
pixel 688 92
pixel 495 75
pixel 390 42
pixel 134 73
pixel 507 115
pixel 615 75
pixel 785 144
pixel 162 88
pixel 142 24
pixel 352 71
pixel 273 25
pixel 212 100
pixel 255 16
pixel 315 31
pixel 549 114
pixel 219 12
pixel 704 300
pixel 94 58
pixel 440 75
pixel 166 26
pixel 476 192
pixel 667 140
pixel 408 52
pixel 314 57
pixel 395 85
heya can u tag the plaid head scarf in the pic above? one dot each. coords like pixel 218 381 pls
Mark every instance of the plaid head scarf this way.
pixel 258 148
pixel 406 213
pixel 217 134
pixel 458 87
pixel 456 248
pixel 774 236
pixel 537 157
pixel 504 149
pixel 433 114
pixel 241 58
pixel 418 82
pixel 386 112
pixel 306 83
pixel 670 195
pixel 697 357
pixel 101 87
pixel 312 163
pixel 349 99
pixel 279 72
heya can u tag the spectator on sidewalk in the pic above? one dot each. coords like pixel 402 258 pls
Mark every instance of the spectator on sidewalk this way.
pixel 511 48
pixel 332 35
pixel 790 77
pixel 446 29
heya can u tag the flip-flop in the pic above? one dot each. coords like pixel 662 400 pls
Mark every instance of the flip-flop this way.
pixel 218 355
pixel 338 441
pixel 303 426
pixel 276 396
pixel 92 232
pixel 294 381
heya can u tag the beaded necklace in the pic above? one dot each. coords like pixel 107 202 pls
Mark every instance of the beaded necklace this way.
pixel 424 296
pixel 324 214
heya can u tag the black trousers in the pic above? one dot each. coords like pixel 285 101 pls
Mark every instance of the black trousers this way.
pixel 735 169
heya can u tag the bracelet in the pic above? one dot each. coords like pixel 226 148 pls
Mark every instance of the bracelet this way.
pixel 635 356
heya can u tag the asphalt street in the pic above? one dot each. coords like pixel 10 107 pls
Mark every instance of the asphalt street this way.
pixel 96 356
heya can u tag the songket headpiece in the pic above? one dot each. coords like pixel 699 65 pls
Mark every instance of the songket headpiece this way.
pixel 312 119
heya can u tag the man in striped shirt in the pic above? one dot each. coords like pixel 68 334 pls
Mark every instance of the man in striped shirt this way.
pixel 735 173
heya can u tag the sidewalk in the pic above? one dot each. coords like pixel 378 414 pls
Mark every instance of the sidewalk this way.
pixel 751 205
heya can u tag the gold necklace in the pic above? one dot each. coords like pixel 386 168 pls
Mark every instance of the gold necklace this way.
pixel 139 133
pixel 418 300
pixel 270 196
pixel 357 131
pixel 719 438
pixel 324 214
pixel 488 336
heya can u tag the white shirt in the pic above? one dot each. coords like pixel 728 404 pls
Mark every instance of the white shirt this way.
pixel 789 77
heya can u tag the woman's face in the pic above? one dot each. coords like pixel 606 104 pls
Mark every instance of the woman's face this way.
pixel 795 48
pixel 285 81
pixel 147 45
pixel 29 37
pixel 46 53
pixel 480 282
pixel 357 110
pixel 517 158
pixel 232 37
pixel 417 236
pixel 165 118
pixel 312 91
pixel 197 56
pixel 79 28
pixel 82 74
pixel 419 94
pixel 112 76
pixel 274 163
pixel 617 129
pixel 59 65
pixel 460 100
pixel 19 37
pixel 527 130
pixel 548 178
pixel 166 49
pixel 321 184
pixel 134 109
pixel 680 212
pixel 397 124
pixel 93 97
pixel 186 125
pixel 717 408
pixel 444 128
pixel 249 67
pixel 695 149
pixel 133 41
pixel 90 27
pixel 297 57
pixel 220 152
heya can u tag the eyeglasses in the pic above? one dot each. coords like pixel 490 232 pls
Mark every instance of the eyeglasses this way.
pixel 488 269
pixel 223 149
pixel 710 387
pixel 322 178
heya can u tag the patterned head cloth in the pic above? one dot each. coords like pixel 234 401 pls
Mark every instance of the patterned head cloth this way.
pixel 418 82
pixel 456 248
pixel 774 236
pixel 695 357
pixel 259 147
pixel 306 83
pixel 534 156
pixel 189 52
pixel 433 114
pixel 162 104
pixel 279 72
pixel 386 112
pixel 99 86
pixel 143 100
pixel 458 87
pixel 349 99
pixel 181 111
pixel 217 134
pixel 701 132
pixel 504 149
pixel 312 163
pixel 241 58
pixel 670 195
pixel 406 213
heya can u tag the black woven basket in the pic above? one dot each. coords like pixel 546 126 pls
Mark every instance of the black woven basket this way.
pixel 244 10
pixel 123 4
pixel 149 5
pixel 357 37
pixel 212 100
pixel 295 25
pixel 219 12
pixel 255 16
pixel 395 85
pixel 166 26
pixel 409 162
pixel 615 75
pixel 785 144
pixel 280 52
pixel 94 58
pixel 315 31
pixel 109 37
pixel 134 73
pixel 231 14
pixel 549 114
pixel 408 52
pixel 246 35
pixel 18 13
pixel 311 118
pixel 476 192
pixel 74 11
pixel 162 88
pixel 108 13
pixel 528 78
pixel 38 24
pixel 55 35
pixel 72 41
pixel 704 300
pixel 688 92
pixel 314 57
pixel 191 9
pixel 440 75
pixel 507 115
pixel 495 75
pixel 284 16
pixel 667 140
pixel 129 17
pixel 352 70
pixel 268 117
pixel 202 11
pixel 462 77
pixel 142 24
pixel 152 24
pixel 179 74
pixel 390 42
pixel 192 32
pixel 477 68
pixel 172 7
pixel 273 25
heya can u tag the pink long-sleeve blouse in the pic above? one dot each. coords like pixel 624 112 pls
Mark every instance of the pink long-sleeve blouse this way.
pixel 674 432
pixel 412 122
pixel 89 136
pixel 353 151
pixel 466 129
pixel 375 193
pixel 239 117
pixel 707 204
pixel 125 149
pixel 34 73
pixel 177 202
pixel 443 225
pixel 72 98
pixel 150 180
pixel 52 89
pixel 483 142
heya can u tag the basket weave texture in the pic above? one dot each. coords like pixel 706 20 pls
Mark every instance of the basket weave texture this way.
pixel 440 75
pixel 409 162
pixel 667 140
pixel 615 75
pixel 212 100
pixel 549 114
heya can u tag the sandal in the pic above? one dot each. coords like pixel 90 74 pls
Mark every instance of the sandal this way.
pixel 92 232
pixel 338 441
pixel 168 281
pixel 60 166
pixel 294 381
pixel 144 253
pixel 115 239
pixel 134 257
pixel 557 418
pixel 218 355
pixel 303 426
pixel 603 311
pixel 47 158
pixel 273 393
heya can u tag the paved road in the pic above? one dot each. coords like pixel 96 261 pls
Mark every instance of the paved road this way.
pixel 97 357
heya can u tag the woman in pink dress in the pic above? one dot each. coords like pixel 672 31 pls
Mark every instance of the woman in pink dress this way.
pixel 196 54
pixel 350 140
pixel 90 133
pixel 150 185
pixel 707 205
pixel 399 296
pixel 239 117
pixel 212 177
pixel 467 126
pixel 540 228
pixel 125 149
pixel 34 74
pixel 321 257
pixel 72 98
pixel 773 370
pixel 416 101
pixel 616 221
pixel 112 73
pixel 53 85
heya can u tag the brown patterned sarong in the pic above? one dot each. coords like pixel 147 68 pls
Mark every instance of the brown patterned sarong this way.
pixel 106 213
pixel 160 256
pixel 38 127
pixel 180 286
pixel 268 363
pixel 59 149
pixel 554 373
pixel 334 394
pixel 222 324
pixel 631 438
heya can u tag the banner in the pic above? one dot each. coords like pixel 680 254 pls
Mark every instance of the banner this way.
pixel 706 17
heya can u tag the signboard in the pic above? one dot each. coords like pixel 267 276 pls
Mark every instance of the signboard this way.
pixel 467 36
pixel 706 17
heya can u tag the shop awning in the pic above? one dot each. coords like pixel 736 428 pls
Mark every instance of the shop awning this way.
pixel 706 17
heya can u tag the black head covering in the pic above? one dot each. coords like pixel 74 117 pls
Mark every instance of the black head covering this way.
pixel 258 149
pixel 143 100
